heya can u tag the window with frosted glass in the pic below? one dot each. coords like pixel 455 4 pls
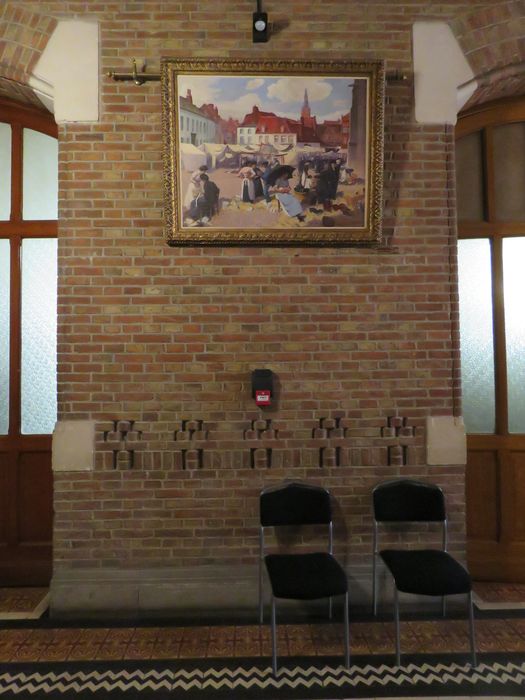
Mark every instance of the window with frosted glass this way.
pixel 476 335
pixel 39 329
pixel 5 171
pixel 514 292
pixel 4 336
pixel 509 171
pixel 469 177
pixel 40 179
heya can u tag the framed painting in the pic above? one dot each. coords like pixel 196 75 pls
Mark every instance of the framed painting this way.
pixel 272 152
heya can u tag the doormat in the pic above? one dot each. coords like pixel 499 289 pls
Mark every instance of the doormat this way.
pixel 23 603
pixel 250 679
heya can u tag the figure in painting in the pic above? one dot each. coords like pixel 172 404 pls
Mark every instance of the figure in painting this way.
pixel 306 179
pixel 206 204
pixel 336 172
pixel 266 169
pixel 325 185
pixel 279 184
pixel 258 189
pixel 194 186
pixel 247 174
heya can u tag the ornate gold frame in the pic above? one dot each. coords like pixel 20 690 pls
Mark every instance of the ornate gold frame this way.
pixel 177 233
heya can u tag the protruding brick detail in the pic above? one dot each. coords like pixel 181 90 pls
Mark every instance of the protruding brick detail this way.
pixel 262 436
pixel 260 457
pixel 191 431
pixel 396 455
pixel 124 440
pixel 191 439
pixel 261 429
pixel 329 456
pixel 400 435
pixel 344 442
pixel 192 459
pixel 327 430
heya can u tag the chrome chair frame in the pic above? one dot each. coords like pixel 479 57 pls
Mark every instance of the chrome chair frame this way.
pixel 273 614
pixel 375 556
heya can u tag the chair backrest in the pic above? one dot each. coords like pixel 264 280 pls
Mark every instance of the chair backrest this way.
pixel 405 500
pixel 295 504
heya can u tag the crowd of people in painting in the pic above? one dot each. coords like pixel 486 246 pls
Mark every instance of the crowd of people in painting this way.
pixel 313 187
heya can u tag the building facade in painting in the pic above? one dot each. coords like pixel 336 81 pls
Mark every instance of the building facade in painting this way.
pixel 196 126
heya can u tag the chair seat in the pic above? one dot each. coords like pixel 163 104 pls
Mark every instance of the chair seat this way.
pixel 305 576
pixel 426 572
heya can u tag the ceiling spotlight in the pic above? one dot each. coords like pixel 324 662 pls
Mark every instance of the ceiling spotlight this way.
pixel 260 25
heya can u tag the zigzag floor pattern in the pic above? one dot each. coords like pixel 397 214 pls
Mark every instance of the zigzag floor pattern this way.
pixel 251 680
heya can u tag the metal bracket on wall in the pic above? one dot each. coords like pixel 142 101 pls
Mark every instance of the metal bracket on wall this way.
pixel 139 78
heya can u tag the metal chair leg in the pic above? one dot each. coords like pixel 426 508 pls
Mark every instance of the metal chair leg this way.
pixel 261 552
pixel 374 570
pixel 274 639
pixel 398 636
pixel 374 584
pixel 261 608
pixel 347 632
pixel 471 629
pixel 330 608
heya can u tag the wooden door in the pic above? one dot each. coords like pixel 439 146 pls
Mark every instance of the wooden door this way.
pixel 491 212
pixel 25 457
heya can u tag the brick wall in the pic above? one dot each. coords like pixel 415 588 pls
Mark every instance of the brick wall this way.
pixel 156 344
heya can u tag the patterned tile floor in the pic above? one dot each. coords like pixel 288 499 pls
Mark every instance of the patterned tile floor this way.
pixel 23 603
pixel 236 641
pixel 499 596
pixel 27 642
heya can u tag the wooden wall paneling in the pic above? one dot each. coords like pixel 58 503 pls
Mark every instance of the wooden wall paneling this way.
pixel 35 490
pixel 482 489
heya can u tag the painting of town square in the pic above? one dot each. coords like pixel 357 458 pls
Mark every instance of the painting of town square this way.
pixel 275 157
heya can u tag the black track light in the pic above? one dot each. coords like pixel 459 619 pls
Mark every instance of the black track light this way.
pixel 260 25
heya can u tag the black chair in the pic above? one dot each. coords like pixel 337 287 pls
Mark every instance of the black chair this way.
pixel 427 572
pixel 300 575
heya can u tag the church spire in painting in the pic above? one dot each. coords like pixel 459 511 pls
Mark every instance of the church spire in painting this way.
pixel 305 110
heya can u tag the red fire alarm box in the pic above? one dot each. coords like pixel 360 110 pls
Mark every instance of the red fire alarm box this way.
pixel 262 386
pixel 263 397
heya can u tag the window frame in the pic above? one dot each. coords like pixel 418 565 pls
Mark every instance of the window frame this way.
pixel 16 229
pixel 484 118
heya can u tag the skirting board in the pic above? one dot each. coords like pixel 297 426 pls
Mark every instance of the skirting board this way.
pixel 151 592
pixel 200 592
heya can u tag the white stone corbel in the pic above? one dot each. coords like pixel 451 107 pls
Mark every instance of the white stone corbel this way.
pixel 66 77
pixel 446 440
pixel 443 78
pixel 73 446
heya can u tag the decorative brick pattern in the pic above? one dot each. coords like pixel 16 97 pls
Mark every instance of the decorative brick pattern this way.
pixel 124 441
pixel 400 435
pixel 345 442
pixel 329 429
pixel 261 429
pixel 192 438
pixel 262 437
